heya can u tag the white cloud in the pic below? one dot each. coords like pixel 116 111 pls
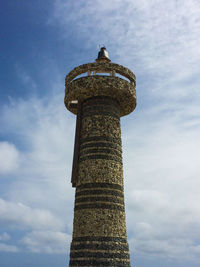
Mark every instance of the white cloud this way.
pixel 8 248
pixel 172 248
pixel 150 32
pixel 47 242
pixel 9 158
pixel 46 130
pixel 161 160
pixel 4 237
pixel 22 216
pixel 45 127
pixel 25 78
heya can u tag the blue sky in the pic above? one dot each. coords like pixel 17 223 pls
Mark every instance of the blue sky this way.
pixel 40 42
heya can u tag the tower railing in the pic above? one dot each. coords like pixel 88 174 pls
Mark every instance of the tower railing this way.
pixel 101 78
pixel 98 67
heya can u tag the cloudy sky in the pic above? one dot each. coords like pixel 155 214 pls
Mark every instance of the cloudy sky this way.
pixel 40 42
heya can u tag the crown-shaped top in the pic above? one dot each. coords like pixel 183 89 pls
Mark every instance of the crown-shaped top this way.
pixel 103 55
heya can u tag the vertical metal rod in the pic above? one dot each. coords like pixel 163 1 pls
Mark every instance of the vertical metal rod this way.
pixel 76 145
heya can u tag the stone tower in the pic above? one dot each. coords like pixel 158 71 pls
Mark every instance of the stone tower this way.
pixel 104 93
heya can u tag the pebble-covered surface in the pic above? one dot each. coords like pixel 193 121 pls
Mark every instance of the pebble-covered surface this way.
pixel 100 67
pixel 86 87
pixel 99 229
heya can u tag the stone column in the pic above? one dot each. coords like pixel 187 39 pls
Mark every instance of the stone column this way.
pixel 99 232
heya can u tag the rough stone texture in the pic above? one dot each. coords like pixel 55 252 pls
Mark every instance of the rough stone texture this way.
pixel 101 68
pixel 108 171
pixel 99 228
pixel 95 85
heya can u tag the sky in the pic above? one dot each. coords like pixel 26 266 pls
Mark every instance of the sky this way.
pixel 40 42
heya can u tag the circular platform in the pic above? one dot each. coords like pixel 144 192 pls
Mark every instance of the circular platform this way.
pixel 96 83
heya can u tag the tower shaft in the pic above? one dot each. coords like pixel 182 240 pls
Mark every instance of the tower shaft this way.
pixel 99 227
pixel 99 233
